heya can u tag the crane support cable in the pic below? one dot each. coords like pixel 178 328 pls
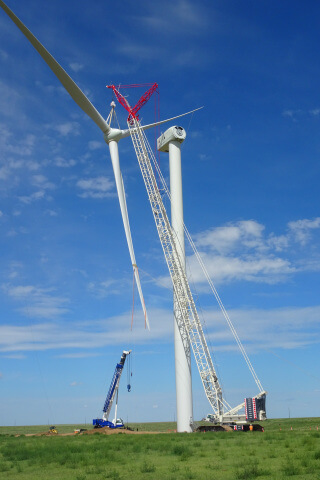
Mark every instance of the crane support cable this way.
pixel 187 318
pixel 209 280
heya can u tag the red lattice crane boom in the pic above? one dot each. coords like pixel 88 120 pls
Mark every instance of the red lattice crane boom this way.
pixel 133 111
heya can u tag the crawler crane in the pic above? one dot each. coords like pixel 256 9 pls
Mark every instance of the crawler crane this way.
pixel 188 320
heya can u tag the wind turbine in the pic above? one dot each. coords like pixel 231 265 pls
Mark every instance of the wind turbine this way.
pixel 188 313
pixel 111 135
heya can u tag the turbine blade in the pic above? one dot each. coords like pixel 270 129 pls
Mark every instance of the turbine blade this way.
pixel 72 88
pixel 134 265
pixel 126 133
pixel 114 153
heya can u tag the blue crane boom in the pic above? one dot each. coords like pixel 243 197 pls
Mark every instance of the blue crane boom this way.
pixel 113 390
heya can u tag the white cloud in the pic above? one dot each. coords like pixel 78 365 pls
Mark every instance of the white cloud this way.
pixel 12 233
pixel 51 213
pixel 42 182
pixel 27 199
pixel 16 145
pixel 12 275
pixel 187 19
pixel 37 302
pixel 225 239
pixel 78 355
pixel 135 50
pixel 3 55
pixel 98 187
pixel 255 268
pixel 68 128
pixel 244 251
pixel 88 335
pixel 20 146
pixel 4 173
pixel 15 157
pixel 301 229
pixel 94 145
pixel 20 291
pixel 294 114
pixel 63 163
pixel 15 356
pixel 285 328
pixel 187 15
pixel 76 67
pixel 10 99
pixel 105 288
pixel 46 308
pixel 291 113
pixel 32 165
pixel 279 243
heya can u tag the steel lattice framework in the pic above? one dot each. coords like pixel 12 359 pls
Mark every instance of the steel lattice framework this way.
pixel 133 111
pixel 187 319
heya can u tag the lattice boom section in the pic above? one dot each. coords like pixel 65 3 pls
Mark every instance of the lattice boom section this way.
pixel 188 320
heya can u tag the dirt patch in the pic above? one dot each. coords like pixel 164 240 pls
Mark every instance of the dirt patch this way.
pixel 93 431
pixel 47 434
pixel 114 431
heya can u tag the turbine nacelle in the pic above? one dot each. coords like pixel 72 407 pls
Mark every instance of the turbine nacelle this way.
pixel 173 134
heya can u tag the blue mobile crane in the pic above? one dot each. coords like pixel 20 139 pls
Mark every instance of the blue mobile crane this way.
pixel 113 391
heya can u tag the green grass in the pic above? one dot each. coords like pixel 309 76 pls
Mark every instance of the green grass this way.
pixel 274 454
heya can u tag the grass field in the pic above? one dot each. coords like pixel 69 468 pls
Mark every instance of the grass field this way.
pixel 278 453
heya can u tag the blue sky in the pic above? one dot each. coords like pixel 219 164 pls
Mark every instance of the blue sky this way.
pixel 251 199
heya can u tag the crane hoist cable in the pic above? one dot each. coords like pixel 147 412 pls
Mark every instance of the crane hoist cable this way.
pixel 132 302
pixel 129 374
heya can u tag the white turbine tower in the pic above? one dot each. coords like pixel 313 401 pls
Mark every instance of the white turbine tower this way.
pixel 111 135
pixel 170 142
